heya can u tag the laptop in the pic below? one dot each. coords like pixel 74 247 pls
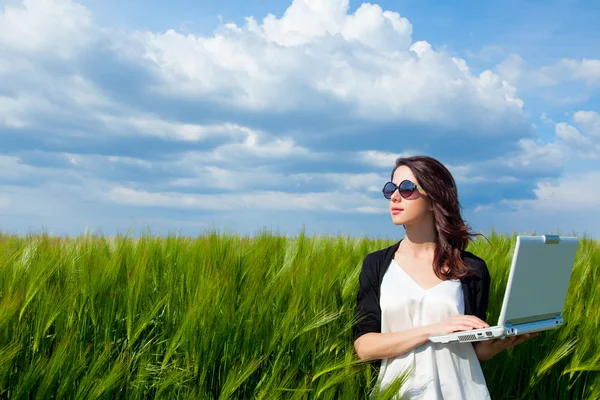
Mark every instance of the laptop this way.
pixel 536 290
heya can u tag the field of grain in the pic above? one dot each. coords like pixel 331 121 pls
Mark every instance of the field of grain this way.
pixel 222 316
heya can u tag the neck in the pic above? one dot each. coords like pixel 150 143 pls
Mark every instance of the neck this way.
pixel 419 239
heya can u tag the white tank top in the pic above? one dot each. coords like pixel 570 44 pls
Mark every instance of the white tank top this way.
pixel 440 371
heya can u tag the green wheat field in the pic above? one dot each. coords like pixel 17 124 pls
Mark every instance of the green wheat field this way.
pixel 225 316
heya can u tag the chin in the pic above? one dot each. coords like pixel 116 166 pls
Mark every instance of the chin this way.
pixel 399 221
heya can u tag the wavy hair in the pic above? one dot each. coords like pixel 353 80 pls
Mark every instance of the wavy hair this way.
pixel 452 233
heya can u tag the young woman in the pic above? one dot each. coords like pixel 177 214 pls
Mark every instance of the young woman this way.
pixel 423 285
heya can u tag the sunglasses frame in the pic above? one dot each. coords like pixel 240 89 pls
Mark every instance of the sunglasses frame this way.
pixel 412 189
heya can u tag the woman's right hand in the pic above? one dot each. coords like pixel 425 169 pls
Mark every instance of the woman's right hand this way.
pixel 458 322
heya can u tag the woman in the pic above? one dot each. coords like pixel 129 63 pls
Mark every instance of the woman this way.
pixel 423 285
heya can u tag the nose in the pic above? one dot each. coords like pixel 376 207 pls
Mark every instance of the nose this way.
pixel 396 195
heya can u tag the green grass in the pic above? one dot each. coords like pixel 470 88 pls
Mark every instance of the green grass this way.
pixel 224 316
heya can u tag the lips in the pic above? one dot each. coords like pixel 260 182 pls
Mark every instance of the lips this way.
pixel 396 210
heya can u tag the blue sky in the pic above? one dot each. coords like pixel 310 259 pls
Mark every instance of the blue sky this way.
pixel 121 116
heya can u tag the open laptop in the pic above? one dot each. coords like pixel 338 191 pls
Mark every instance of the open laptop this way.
pixel 536 290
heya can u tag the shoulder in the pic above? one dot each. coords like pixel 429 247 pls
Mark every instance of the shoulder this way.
pixel 375 258
pixel 377 255
pixel 477 265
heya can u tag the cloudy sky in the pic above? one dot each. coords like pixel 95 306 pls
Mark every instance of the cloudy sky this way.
pixel 242 115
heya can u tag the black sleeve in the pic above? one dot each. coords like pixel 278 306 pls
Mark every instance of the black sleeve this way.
pixel 367 312
pixel 484 292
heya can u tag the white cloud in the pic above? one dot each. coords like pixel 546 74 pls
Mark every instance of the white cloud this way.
pixel 530 158
pixel 317 56
pixel 579 192
pixel 92 160
pixel 486 53
pixel 466 174
pixel 351 182
pixel 12 111
pixel 256 146
pixel 382 159
pixel 462 174
pixel 518 72
pixel 585 70
pixel 571 136
pixel 255 178
pixel 570 141
pixel 556 195
pixel 60 28
pixel 39 94
pixel 305 20
pixel 589 121
pixel 534 156
pixel 130 161
pixel 210 176
pixel 201 171
pixel 365 61
pixel 13 169
pixel 149 125
pixel 258 200
pixel 563 192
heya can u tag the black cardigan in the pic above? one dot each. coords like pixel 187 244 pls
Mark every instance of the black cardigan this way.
pixel 367 312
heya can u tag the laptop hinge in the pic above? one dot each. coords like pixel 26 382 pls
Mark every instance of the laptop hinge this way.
pixel 522 321
pixel 551 239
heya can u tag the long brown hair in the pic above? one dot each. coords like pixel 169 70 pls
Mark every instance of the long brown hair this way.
pixel 453 234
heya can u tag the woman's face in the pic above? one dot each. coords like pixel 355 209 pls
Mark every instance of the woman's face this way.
pixel 412 209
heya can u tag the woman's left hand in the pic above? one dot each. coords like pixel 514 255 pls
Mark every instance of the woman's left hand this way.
pixel 489 348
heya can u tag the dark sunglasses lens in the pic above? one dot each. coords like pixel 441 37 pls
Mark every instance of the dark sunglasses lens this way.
pixel 388 190
pixel 406 188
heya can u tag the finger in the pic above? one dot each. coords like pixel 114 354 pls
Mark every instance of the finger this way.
pixel 500 343
pixel 472 318
pixel 514 341
pixel 514 344
pixel 517 340
pixel 505 343
pixel 526 337
pixel 492 343
pixel 461 327
pixel 479 321
pixel 472 321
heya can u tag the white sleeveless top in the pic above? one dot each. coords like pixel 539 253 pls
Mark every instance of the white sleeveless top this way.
pixel 440 371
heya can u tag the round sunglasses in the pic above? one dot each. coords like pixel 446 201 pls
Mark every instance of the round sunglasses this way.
pixel 406 189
